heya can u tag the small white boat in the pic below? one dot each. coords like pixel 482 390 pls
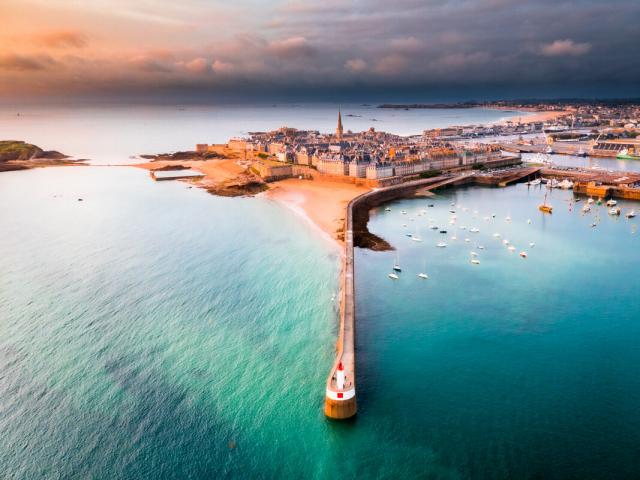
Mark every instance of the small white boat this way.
pixel 614 211
pixel 424 276
pixel 590 201
pixel 433 227
pixel 441 245
pixel 475 261
pixel 474 254
pixel 393 276
pixel 454 237
pixel 474 230
pixel 611 203
pixel 529 221
pixel 416 239
pixel 630 214
pixel 565 184
pixel 387 209
pixel 532 244
pixel 493 215
pixel 480 247
pixel 523 254
pixel 537 181
pixel 403 212
pixel 497 235
pixel 467 240
pixel 586 208
pixel 512 248
pixel 404 224
pixel 508 219
pixel 505 242
pixel 462 227
pixel 396 265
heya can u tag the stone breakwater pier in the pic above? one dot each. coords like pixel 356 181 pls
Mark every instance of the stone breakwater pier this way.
pixel 340 397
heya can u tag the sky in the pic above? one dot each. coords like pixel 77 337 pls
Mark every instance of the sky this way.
pixel 389 49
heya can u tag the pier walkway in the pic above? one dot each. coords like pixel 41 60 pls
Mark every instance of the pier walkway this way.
pixel 340 396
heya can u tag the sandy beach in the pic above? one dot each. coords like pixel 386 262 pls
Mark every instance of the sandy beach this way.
pixel 321 200
pixel 218 170
pixel 536 115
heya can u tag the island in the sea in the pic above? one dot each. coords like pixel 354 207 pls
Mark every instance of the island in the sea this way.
pixel 19 155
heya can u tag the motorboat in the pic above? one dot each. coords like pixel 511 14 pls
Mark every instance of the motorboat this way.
pixel 590 201
pixel 393 276
pixel 532 244
pixel 611 203
pixel 505 242
pixel 387 209
pixel 441 245
pixel 424 276
pixel 474 230
pixel 475 261
pixel 630 214
pixel 614 211
pixel 523 254
pixel 497 235
pixel 511 248
pixel 586 208
pixel 565 184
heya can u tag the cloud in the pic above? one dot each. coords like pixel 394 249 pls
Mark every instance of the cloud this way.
pixel 292 47
pixel 407 44
pixel 198 65
pixel 392 65
pixel 150 64
pixel 355 65
pixel 62 39
pixel 25 63
pixel 564 48
pixel 218 66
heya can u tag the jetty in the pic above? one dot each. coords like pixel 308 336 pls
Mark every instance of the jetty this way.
pixel 340 396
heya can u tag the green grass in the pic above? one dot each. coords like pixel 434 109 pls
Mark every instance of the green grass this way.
pixel 11 149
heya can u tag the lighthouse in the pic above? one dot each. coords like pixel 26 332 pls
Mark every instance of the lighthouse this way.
pixel 340 377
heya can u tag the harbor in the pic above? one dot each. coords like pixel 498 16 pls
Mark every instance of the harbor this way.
pixel 340 396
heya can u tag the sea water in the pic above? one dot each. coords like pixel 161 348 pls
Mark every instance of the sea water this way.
pixel 514 367
pixel 151 330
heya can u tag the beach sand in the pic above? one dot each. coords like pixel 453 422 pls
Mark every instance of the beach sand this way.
pixel 322 201
pixel 217 170
pixel 536 116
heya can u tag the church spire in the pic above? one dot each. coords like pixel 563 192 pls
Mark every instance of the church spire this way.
pixel 339 129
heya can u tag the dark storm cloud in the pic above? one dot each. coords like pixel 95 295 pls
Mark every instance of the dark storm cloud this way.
pixel 335 47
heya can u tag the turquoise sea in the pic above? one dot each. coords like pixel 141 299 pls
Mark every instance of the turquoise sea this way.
pixel 152 330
